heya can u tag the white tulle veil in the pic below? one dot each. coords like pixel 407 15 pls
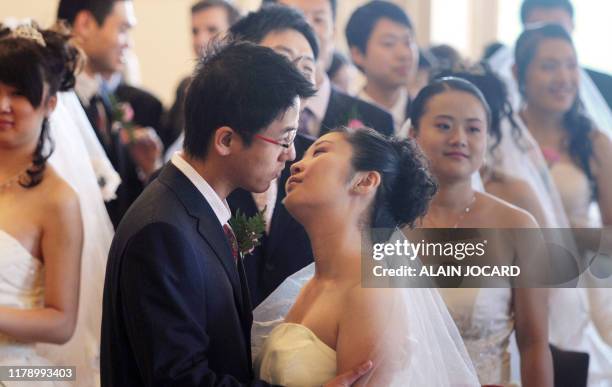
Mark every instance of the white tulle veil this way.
pixel 595 105
pixel 73 160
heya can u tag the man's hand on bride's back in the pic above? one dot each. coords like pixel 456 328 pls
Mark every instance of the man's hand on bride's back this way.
pixel 348 378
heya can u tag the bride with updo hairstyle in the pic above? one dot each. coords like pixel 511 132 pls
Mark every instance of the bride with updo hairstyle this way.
pixel 451 121
pixel 349 184
pixel 41 232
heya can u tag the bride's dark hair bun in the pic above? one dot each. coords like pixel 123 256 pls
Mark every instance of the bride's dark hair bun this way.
pixel 407 186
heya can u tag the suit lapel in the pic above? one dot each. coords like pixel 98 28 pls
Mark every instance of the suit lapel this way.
pixel 331 114
pixel 279 217
pixel 208 224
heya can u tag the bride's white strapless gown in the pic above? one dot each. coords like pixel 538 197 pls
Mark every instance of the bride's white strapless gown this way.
pixel 21 286
pixel 294 356
pixel 420 346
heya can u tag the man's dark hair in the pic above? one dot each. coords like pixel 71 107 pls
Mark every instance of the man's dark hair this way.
pixel 529 5
pixel 274 17
pixel 240 85
pixel 233 14
pixel 362 21
pixel 100 9
pixel 333 3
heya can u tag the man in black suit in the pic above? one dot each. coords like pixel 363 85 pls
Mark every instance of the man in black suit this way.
pixel 101 29
pixel 176 309
pixel 382 41
pixel 331 108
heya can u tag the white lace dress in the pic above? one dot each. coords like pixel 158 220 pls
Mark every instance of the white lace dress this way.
pixel 588 327
pixel 485 320
pixel 21 286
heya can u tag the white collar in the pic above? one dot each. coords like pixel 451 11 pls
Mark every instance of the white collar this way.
pixel 219 206
pixel 87 86
pixel 317 104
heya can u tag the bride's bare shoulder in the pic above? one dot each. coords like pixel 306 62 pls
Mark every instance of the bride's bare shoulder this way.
pixel 501 214
pixel 61 202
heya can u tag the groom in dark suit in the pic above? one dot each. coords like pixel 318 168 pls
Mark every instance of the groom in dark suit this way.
pixel 176 309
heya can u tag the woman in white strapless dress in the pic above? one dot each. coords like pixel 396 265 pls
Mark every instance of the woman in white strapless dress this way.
pixel 40 222
pixel 578 157
pixel 450 122
pixel 347 184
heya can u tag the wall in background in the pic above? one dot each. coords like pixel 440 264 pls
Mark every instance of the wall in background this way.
pixel 162 36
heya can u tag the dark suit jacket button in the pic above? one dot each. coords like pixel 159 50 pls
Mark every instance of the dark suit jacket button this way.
pixel 269 266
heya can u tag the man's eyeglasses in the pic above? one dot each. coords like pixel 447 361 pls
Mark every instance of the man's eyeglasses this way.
pixel 285 144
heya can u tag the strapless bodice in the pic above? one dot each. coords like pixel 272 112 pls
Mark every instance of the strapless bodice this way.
pixel 21 286
pixel 294 356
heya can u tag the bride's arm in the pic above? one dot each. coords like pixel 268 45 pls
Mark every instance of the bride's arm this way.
pixel 531 316
pixel 61 245
pixel 361 333
pixel 530 305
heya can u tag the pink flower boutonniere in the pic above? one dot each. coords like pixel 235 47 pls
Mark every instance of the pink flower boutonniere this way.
pixel 123 116
pixel 355 124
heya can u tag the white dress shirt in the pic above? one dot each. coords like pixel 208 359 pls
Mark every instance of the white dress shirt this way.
pixel 219 206
pixel 86 87
pixel 317 104
pixel 267 200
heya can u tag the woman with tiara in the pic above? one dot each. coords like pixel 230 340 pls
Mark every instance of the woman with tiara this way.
pixel 41 229
pixel 79 160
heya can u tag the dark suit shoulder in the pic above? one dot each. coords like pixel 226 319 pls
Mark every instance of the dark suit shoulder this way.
pixel 148 109
pixel 603 82
pixel 157 204
pixel 342 108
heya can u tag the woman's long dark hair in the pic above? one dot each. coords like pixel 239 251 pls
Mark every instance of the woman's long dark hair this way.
pixel 28 65
pixel 576 124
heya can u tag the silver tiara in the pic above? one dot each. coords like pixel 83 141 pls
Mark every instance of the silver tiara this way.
pixel 28 32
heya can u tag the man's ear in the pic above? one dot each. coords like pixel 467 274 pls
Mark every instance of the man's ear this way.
pixel 515 72
pixel 84 25
pixel 412 132
pixel 366 182
pixel 51 104
pixel 357 56
pixel 224 140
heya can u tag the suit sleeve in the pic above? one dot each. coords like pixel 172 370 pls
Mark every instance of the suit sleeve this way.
pixel 163 304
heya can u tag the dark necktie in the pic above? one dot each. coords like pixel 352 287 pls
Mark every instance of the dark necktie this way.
pixel 231 238
pixel 101 119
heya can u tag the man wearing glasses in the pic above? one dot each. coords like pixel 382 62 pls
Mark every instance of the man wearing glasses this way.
pixel 285 247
